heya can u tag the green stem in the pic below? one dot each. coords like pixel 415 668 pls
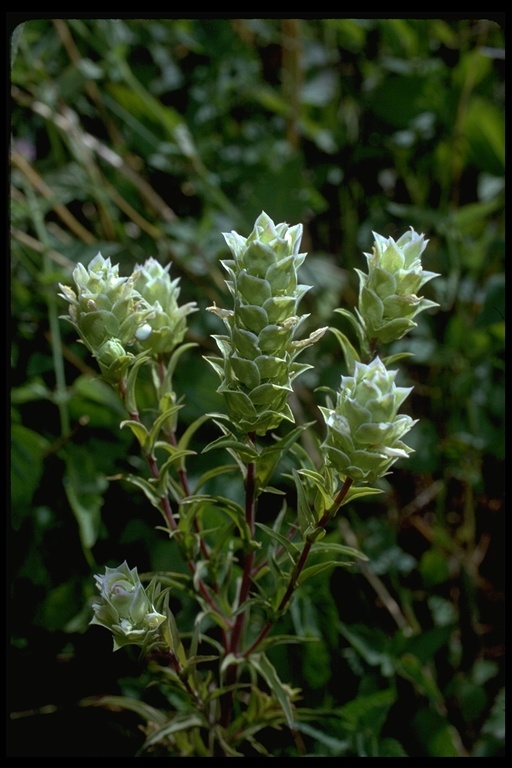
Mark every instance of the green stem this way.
pixel 167 512
pixel 249 557
pixel 55 339
pixel 322 523
pixel 179 671
pixel 250 509
pixel 182 472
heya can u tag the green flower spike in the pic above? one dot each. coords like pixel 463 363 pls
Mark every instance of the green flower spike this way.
pixel 107 313
pixel 259 351
pixel 166 326
pixel 388 294
pixel 364 430
pixel 124 608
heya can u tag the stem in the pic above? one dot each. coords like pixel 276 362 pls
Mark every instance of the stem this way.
pixel 191 692
pixel 55 339
pixel 294 576
pixel 168 515
pixel 250 509
pixel 249 557
pixel 182 472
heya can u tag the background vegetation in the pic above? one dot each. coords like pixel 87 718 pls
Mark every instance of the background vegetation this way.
pixel 150 137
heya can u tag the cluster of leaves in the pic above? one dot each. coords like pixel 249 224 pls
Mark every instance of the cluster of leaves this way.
pixel 143 138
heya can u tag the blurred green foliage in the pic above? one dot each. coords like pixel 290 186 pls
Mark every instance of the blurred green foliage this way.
pixel 150 137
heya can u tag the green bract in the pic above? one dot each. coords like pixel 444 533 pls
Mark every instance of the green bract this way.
pixel 124 608
pixel 388 294
pixel 364 430
pixel 166 326
pixel 258 365
pixel 107 312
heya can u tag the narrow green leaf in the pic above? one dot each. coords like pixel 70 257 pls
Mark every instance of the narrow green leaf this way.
pixel 158 426
pixel 342 549
pixel 306 517
pixel 395 358
pixel 148 487
pixel 178 723
pixel 175 455
pixel 130 399
pixel 358 492
pixel 223 469
pixel 192 429
pixel 268 672
pixel 270 456
pixel 139 430
pixel 313 570
pixel 244 451
pixel 320 483
pixel 287 545
pixel 116 703
pixel 173 361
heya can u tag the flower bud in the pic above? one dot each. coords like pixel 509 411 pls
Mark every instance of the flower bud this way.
pixel 364 430
pixel 388 294
pixel 124 608
pixel 107 312
pixel 166 326
pixel 258 365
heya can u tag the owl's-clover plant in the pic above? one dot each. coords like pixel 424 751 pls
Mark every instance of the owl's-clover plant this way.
pixel 107 313
pixel 242 573
pixel 126 608
pixel 259 351
pixel 364 428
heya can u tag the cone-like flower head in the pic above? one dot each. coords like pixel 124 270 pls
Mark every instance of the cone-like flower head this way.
pixel 258 365
pixel 388 294
pixel 365 430
pixel 166 326
pixel 124 608
pixel 107 312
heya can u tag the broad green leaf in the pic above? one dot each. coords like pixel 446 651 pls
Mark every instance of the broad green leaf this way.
pixel 61 607
pixel 30 391
pixel 28 449
pixel 372 645
pixel 436 734
pixel 484 130
pixel 84 485
pixel 368 712
pixel 418 672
